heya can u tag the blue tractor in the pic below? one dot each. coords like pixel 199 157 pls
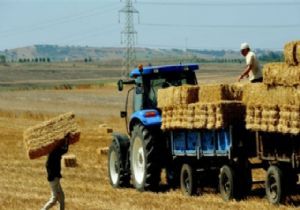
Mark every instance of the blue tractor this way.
pixel 187 155
pixel 140 155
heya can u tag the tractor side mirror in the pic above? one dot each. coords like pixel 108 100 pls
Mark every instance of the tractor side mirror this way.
pixel 120 85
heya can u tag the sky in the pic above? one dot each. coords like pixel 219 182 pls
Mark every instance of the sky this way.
pixel 192 24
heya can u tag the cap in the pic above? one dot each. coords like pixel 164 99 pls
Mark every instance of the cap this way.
pixel 245 46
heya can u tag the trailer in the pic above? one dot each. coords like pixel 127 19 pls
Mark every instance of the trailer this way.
pixel 221 154
pixel 194 156
pixel 280 156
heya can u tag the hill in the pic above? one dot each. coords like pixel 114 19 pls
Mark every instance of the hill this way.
pixel 71 53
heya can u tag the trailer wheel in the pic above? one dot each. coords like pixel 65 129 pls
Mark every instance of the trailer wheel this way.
pixel 187 180
pixel 274 185
pixel 228 183
pixel 144 159
pixel 118 175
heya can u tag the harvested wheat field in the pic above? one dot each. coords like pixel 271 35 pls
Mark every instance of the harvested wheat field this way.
pixel 23 183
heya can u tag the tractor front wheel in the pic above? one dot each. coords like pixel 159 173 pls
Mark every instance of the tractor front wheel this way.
pixel 117 172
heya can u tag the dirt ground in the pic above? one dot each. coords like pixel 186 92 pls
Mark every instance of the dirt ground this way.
pixel 23 183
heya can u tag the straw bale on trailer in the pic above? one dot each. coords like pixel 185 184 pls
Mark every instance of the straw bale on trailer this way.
pixel 180 95
pixel 262 117
pixel 289 119
pixel 281 74
pixel 298 52
pixel 290 53
pixel 189 94
pixel 220 92
pixel 218 114
pixel 262 94
pixel 165 97
pixel 43 138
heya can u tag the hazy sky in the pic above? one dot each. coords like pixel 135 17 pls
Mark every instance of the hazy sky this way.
pixel 197 24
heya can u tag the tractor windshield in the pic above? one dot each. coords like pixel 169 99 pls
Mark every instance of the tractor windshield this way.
pixel 154 82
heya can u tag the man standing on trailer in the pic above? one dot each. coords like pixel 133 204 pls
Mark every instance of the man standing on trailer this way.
pixel 252 70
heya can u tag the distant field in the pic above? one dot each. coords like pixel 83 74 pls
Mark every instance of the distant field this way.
pixel 23 184
pixel 67 75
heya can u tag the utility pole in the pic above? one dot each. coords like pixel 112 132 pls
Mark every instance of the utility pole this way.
pixel 128 37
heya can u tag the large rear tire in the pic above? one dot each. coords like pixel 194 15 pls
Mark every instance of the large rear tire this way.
pixel 275 190
pixel 144 159
pixel 117 172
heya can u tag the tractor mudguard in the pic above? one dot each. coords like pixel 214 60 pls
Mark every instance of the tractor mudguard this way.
pixel 147 117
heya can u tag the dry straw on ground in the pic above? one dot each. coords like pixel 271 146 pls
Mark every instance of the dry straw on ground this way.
pixel 281 74
pixel 45 137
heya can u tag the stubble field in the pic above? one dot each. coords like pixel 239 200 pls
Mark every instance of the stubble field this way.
pixel 23 183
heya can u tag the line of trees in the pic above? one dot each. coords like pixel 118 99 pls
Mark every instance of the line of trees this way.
pixel 2 59
pixel 34 60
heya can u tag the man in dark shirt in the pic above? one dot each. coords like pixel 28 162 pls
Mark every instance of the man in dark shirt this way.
pixel 53 166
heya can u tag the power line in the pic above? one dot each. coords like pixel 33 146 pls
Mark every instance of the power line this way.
pixel 265 26
pixel 219 3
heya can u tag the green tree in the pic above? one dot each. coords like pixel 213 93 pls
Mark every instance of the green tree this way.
pixel 2 59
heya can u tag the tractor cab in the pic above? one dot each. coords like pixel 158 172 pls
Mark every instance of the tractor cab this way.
pixel 147 80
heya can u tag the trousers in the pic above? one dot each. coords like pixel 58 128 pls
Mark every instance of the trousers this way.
pixel 57 195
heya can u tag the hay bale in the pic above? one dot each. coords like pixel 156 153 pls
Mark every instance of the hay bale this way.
pixel 298 52
pixel 281 74
pixel 165 97
pixel 69 160
pixel 43 138
pixel 189 94
pixel 220 92
pixel 218 114
pixel 104 129
pixel 262 94
pixel 289 119
pixel 290 53
pixel 262 117
pixel 180 95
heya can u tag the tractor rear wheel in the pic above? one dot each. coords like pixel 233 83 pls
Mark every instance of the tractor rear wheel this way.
pixel 117 172
pixel 144 159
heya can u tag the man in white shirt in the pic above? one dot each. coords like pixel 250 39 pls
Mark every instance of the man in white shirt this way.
pixel 252 69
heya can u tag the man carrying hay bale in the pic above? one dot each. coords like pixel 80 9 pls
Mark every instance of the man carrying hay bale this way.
pixel 252 70
pixel 53 166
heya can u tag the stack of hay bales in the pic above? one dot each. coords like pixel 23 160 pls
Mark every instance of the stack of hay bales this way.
pixel 274 105
pixel 200 107
pixel 174 103
pixel 219 106
pixel 43 138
